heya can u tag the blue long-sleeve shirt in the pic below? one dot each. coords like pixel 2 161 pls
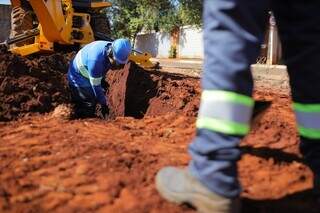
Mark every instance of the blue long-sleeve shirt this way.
pixel 88 67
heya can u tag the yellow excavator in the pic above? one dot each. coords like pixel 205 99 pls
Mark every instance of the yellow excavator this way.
pixel 42 26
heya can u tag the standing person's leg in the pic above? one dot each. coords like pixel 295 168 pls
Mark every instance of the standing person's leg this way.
pixel 299 29
pixel 84 102
pixel 233 32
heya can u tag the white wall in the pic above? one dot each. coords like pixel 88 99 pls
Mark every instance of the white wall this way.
pixel 190 43
pixel 158 44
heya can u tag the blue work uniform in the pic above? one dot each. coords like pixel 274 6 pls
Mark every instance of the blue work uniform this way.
pixel 233 33
pixel 85 74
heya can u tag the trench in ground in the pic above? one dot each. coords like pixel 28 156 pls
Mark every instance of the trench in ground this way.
pixel 137 93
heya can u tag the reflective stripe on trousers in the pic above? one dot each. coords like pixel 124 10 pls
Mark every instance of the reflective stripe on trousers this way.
pixel 84 71
pixel 225 112
pixel 308 119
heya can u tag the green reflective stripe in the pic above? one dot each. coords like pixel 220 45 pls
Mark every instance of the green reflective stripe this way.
pixel 309 132
pixel 224 111
pixel 81 67
pixel 307 116
pixel 306 107
pixel 221 110
pixel 219 95
pixel 310 120
pixel 95 81
pixel 227 127
pixel 84 71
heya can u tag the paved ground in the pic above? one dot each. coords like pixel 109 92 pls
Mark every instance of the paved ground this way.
pixel 273 77
pixel 192 67
pixel 180 63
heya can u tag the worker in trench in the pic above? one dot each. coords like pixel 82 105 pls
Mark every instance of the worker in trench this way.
pixel 87 70
pixel 233 33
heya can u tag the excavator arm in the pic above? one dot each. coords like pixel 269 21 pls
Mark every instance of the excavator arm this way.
pixel 64 22
pixel 58 23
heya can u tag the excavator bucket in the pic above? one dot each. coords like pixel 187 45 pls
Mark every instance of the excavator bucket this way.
pixel 142 59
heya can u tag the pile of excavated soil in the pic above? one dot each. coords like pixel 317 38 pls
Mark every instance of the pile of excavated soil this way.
pixel 32 85
pixel 39 84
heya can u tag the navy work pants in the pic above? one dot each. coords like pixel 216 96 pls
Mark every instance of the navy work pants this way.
pixel 233 33
pixel 84 102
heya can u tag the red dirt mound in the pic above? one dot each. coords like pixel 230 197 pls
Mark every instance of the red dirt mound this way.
pixel 38 84
pixel 50 165
pixel 31 85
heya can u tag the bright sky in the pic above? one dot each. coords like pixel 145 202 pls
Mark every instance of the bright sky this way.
pixel 4 1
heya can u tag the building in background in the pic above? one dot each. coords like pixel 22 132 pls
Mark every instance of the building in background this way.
pixel 5 11
pixel 158 44
pixel 190 43
pixel 184 42
pixel 187 42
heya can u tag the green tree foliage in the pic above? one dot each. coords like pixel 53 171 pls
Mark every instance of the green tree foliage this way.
pixel 190 12
pixel 129 17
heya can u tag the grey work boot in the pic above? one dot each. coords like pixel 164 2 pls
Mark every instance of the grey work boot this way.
pixel 178 186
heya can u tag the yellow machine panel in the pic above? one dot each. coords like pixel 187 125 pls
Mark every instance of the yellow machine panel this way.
pixel 59 22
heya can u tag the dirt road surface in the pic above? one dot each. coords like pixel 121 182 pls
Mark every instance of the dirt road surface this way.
pixel 48 164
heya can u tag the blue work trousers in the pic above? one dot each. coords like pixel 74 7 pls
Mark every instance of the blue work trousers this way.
pixel 233 33
pixel 84 101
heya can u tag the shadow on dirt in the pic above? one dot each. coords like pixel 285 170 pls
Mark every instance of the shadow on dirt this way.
pixel 278 155
pixel 301 202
